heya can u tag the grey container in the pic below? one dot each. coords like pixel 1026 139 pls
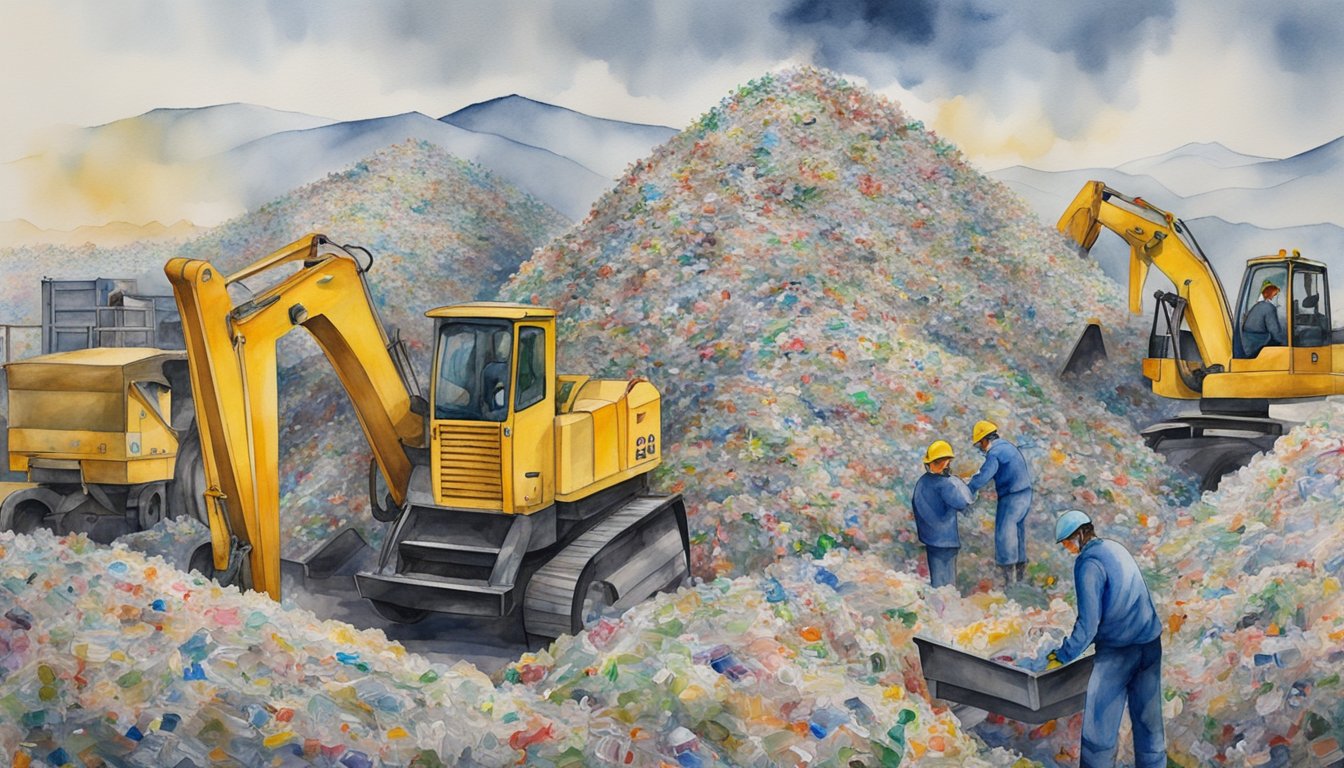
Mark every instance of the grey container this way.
pixel 994 686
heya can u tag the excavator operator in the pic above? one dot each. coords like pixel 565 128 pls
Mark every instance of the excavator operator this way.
pixel 1262 328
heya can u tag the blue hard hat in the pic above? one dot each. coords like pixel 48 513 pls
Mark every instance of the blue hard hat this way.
pixel 1069 522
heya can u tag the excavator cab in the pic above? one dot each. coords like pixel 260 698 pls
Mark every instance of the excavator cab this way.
pixel 1301 311
pixel 492 431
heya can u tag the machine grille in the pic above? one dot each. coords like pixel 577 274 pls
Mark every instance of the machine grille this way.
pixel 470 469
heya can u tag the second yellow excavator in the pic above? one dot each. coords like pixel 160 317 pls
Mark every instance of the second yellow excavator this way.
pixel 1277 346
pixel 512 491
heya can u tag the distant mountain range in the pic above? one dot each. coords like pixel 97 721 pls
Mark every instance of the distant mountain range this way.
pixel 272 165
pixel 209 164
pixel 603 146
pixel 109 235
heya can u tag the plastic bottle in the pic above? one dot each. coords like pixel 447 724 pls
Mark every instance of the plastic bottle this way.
pixel 826 577
pixel 824 721
pixel 613 750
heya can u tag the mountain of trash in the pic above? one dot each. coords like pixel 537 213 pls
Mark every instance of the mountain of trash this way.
pixel 108 654
pixel 820 287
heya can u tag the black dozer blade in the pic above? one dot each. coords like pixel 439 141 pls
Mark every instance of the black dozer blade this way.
pixel 340 554
pixel 1086 351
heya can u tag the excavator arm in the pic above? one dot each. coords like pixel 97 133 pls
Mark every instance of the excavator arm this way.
pixel 1158 239
pixel 231 350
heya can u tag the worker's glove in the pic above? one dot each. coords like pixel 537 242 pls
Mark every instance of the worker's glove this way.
pixel 1042 662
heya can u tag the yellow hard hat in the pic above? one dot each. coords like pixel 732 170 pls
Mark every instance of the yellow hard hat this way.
pixel 938 449
pixel 981 429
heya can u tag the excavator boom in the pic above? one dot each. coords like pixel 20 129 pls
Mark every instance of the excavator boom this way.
pixel 231 349
pixel 1158 239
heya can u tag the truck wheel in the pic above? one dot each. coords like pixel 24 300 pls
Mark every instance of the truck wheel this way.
pixel 597 602
pixel 203 561
pixel 1214 475
pixel 30 509
pixel 29 516
pixel 149 505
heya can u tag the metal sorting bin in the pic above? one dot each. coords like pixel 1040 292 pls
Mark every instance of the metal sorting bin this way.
pixel 1001 688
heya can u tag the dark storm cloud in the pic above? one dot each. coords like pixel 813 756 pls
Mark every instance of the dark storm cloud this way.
pixel 877 23
pixel 947 41
pixel 1308 38
pixel 1074 57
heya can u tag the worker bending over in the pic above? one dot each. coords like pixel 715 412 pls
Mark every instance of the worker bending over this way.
pixel 1116 614
pixel 938 497
pixel 1005 465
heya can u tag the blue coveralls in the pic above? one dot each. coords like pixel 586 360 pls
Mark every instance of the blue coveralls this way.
pixel 937 499
pixel 1116 613
pixel 1262 328
pixel 1012 481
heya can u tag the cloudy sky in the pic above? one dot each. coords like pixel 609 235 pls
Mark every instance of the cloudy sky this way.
pixel 1051 83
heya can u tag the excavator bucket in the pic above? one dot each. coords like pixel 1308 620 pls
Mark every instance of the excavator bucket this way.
pixel 1086 351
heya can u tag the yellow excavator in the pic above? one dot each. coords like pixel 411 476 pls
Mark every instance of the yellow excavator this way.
pixel 511 491
pixel 1234 361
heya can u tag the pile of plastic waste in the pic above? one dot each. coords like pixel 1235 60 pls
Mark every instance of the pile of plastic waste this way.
pixel 821 288
pixel 809 662
pixel 106 654
pixel 991 626
pixel 1255 610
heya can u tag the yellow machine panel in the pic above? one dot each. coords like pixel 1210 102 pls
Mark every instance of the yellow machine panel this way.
pixel 107 409
pixel 612 432
pixel 573 452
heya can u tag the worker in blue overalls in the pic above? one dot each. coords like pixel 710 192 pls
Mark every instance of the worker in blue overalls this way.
pixel 938 497
pixel 1005 465
pixel 1116 614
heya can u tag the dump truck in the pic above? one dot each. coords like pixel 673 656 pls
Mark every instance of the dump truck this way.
pixel 103 438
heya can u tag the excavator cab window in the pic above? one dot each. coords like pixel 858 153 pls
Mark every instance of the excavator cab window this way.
pixel 1265 325
pixel 531 366
pixel 473 377
pixel 1311 307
